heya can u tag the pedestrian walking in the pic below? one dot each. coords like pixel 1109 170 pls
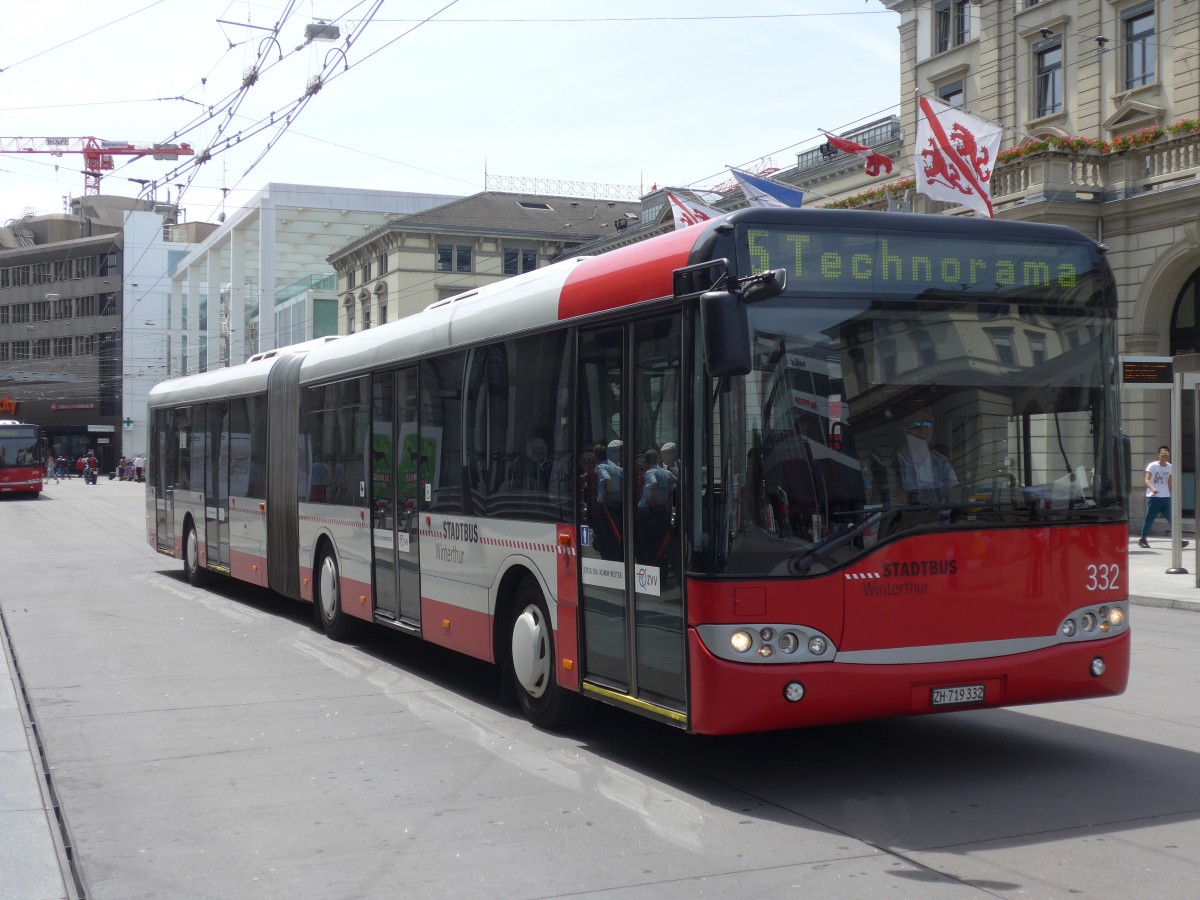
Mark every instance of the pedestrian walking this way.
pixel 1158 493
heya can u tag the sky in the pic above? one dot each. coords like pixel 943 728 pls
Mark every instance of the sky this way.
pixel 429 95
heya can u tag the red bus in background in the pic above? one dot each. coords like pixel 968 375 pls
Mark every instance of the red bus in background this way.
pixel 783 468
pixel 21 466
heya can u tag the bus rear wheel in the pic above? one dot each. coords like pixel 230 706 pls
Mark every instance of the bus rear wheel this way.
pixel 532 663
pixel 327 599
pixel 191 556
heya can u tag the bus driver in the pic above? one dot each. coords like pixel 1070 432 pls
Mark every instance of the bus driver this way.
pixel 927 475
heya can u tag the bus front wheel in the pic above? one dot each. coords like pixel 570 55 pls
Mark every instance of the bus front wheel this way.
pixel 191 556
pixel 544 702
pixel 327 599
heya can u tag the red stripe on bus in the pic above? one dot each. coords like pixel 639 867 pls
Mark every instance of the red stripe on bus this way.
pixel 629 275
pixel 568 568
pixel 459 629
pixel 566 642
pixel 241 565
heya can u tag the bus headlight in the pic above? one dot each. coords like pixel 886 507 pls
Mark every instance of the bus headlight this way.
pixel 793 692
pixel 773 643
pixel 1097 667
pixel 1093 623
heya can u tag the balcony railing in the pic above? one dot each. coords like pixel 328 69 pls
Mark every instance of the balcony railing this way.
pixel 1062 175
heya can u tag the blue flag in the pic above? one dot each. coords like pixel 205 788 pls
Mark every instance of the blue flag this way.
pixel 760 192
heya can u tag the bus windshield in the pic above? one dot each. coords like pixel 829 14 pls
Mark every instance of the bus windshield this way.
pixel 880 413
pixel 19 446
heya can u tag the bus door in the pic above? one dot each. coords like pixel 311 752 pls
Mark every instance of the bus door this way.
pixel 216 486
pixel 165 465
pixel 394 480
pixel 628 403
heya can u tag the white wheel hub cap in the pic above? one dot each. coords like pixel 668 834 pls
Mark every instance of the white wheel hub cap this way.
pixel 531 651
pixel 329 589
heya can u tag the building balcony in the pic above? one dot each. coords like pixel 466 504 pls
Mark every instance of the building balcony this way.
pixel 1067 176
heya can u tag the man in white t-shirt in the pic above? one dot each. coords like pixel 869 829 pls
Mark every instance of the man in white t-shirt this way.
pixel 1158 493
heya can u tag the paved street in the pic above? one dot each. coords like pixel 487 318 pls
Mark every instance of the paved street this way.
pixel 210 743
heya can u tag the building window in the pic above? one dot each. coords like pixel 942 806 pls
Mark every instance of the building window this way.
pixel 952 23
pixel 366 273
pixel 454 258
pixel 349 278
pixel 1139 45
pixel 381 263
pixel 383 310
pixel 365 303
pixel 518 261
pixel 1002 343
pixel 887 358
pixel 926 349
pixel 1037 346
pixel 1048 60
pixel 951 94
pixel 348 306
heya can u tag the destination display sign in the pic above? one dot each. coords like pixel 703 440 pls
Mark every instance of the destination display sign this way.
pixel 843 261
pixel 1147 371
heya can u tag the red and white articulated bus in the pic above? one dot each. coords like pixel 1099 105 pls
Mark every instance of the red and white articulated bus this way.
pixel 21 468
pixel 580 475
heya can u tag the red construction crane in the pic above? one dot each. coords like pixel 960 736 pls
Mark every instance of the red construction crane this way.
pixel 97 154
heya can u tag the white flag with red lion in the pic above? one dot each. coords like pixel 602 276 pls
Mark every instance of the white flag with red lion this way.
pixel 955 155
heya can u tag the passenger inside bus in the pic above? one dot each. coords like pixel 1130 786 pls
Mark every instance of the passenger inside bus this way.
pixel 926 474
pixel 607 515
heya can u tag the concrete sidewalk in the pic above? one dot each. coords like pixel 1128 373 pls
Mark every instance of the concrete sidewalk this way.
pixel 33 862
pixel 1149 583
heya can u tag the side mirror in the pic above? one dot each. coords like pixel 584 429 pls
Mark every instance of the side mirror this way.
pixel 726 334
pixel 764 286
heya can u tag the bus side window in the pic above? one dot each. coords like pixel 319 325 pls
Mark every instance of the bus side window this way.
pixel 441 382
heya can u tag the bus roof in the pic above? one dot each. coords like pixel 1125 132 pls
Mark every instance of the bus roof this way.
pixel 234 381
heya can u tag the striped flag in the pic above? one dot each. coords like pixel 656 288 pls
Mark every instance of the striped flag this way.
pixel 761 192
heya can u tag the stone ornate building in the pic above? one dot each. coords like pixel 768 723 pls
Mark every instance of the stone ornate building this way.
pixel 1100 101
pixel 407 263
